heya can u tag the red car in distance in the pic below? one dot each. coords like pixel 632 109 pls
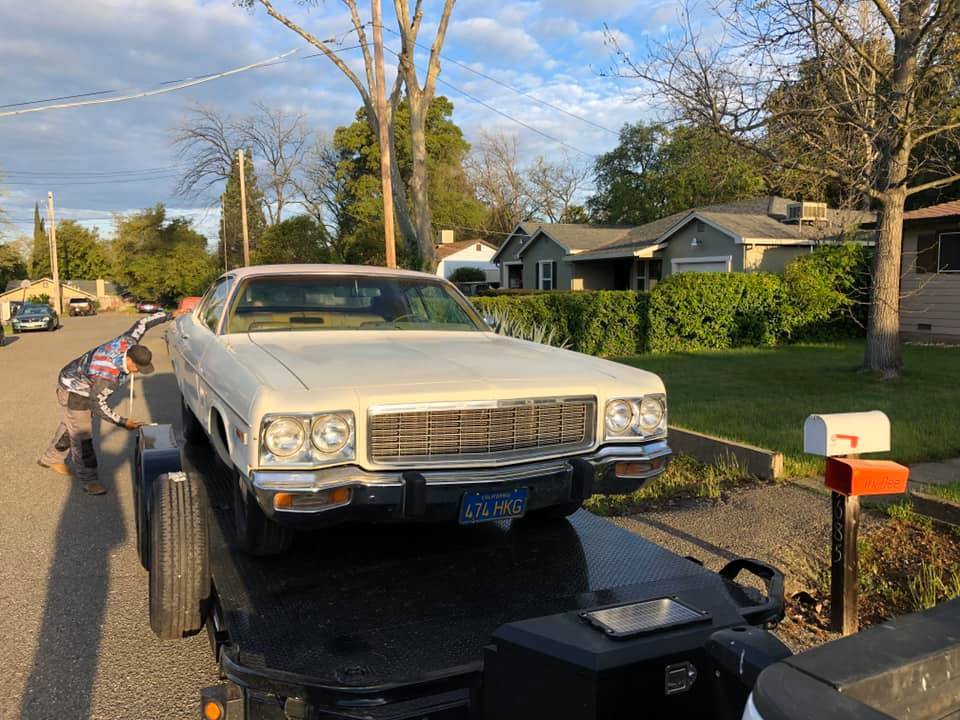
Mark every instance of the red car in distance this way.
pixel 189 303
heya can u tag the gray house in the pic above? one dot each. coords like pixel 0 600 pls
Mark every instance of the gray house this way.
pixel 930 273
pixel 759 234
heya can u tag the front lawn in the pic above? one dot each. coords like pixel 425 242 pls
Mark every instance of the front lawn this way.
pixel 762 396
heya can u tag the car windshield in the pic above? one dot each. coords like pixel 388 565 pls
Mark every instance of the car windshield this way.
pixel 32 310
pixel 348 302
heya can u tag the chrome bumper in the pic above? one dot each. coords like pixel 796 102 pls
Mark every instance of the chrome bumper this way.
pixel 647 461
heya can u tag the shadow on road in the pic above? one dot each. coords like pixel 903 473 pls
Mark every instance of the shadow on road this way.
pixel 9 339
pixel 65 659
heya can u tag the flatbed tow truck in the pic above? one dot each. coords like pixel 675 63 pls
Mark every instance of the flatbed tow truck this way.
pixel 575 620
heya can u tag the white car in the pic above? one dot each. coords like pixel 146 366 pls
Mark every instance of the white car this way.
pixel 340 393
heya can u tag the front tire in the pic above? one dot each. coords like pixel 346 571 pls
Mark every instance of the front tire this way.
pixel 255 533
pixel 179 563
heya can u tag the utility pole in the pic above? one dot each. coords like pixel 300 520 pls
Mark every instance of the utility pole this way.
pixel 223 220
pixel 54 266
pixel 243 210
pixel 385 179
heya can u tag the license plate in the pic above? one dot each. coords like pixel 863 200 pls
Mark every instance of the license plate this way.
pixel 480 507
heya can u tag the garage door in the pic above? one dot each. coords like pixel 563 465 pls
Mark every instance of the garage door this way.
pixel 716 266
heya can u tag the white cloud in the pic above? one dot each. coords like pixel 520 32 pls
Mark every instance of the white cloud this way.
pixel 556 28
pixel 493 39
pixel 599 44
pixel 594 9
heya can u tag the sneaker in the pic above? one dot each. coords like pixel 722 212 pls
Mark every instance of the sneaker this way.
pixel 59 468
pixel 94 488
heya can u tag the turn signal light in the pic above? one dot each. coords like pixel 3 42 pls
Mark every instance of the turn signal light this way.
pixel 638 469
pixel 212 710
pixel 311 500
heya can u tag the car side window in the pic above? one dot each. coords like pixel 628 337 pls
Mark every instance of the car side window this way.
pixel 213 308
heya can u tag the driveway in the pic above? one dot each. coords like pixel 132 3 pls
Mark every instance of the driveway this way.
pixel 76 642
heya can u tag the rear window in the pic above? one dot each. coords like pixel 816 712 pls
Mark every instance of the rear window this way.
pixel 334 302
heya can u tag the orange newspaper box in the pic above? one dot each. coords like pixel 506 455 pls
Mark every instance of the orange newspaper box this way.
pixel 854 477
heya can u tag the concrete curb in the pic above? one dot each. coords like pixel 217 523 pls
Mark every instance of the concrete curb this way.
pixel 759 462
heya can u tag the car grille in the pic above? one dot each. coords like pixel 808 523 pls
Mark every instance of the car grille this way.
pixel 476 432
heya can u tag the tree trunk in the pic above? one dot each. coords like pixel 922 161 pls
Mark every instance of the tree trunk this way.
pixel 882 352
pixel 419 184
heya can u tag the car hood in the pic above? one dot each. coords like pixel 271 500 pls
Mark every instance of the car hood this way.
pixel 375 362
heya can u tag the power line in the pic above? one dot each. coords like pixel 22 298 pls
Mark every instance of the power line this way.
pixel 81 174
pixel 149 93
pixel 538 131
pixel 512 88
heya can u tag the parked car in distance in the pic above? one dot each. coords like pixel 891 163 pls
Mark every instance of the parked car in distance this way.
pixel 81 306
pixel 189 303
pixel 348 393
pixel 15 306
pixel 148 306
pixel 35 317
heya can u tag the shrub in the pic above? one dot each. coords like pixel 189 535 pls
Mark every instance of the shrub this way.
pixel 467 274
pixel 41 299
pixel 605 322
pixel 829 292
pixel 691 311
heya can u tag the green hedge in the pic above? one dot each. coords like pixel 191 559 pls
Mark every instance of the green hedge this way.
pixel 605 322
pixel 820 296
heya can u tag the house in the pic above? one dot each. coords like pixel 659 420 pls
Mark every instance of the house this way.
pixel 454 254
pixel 751 235
pixel 106 293
pixel 930 273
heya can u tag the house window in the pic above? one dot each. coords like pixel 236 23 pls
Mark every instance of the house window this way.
pixel 701 226
pixel 479 247
pixel 546 275
pixel 655 270
pixel 938 253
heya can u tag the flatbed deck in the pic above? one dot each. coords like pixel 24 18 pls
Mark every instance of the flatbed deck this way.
pixel 380 607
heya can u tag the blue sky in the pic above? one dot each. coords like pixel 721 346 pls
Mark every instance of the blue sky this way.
pixel 553 49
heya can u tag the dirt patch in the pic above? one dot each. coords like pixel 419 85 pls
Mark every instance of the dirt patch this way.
pixel 906 562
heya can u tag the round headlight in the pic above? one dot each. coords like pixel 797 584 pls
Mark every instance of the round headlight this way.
pixel 651 414
pixel 330 433
pixel 619 416
pixel 284 437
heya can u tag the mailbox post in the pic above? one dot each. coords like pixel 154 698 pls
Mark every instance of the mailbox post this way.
pixel 840 437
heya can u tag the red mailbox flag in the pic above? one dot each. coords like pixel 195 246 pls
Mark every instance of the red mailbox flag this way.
pixel 848 476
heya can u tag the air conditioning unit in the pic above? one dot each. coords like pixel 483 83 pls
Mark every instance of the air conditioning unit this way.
pixel 802 212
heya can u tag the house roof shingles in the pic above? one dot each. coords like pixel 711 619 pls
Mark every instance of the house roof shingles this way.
pixel 942 210
pixel 445 250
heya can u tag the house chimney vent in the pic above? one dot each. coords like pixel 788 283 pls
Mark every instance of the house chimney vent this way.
pixel 446 237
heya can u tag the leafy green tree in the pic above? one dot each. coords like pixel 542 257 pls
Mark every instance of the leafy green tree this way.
pixel 451 196
pixel 468 274
pixel 81 254
pixel 12 266
pixel 299 239
pixel 40 254
pixel 231 227
pixel 655 171
pixel 159 259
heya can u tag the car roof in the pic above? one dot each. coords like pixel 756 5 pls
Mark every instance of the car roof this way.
pixel 324 269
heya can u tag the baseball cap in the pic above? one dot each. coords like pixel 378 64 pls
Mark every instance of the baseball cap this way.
pixel 142 357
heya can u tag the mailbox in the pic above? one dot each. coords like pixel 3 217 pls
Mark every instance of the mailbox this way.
pixel 853 433
pixel 866 477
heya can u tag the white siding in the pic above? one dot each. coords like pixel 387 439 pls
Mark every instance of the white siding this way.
pixel 470 257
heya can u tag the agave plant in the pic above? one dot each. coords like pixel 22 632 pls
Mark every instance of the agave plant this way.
pixel 509 326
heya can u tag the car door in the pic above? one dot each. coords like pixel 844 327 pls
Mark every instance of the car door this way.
pixel 195 334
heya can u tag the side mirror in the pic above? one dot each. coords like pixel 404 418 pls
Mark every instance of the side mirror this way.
pixel 491 321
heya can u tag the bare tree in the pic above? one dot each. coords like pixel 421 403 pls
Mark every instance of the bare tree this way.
pixel 555 186
pixel 416 227
pixel 208 144
pixel 499 180
pixel 278 141
pixel 323 193
pixel 863 94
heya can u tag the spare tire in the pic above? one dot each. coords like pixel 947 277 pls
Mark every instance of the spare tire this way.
pixel 179 565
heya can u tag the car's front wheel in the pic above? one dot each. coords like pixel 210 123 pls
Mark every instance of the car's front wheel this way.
pixel 192 429
pixel 255 533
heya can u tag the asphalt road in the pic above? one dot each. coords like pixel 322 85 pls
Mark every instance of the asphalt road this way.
pixel 75 640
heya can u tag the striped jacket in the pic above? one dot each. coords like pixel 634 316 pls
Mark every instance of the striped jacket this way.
pixel 97 373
